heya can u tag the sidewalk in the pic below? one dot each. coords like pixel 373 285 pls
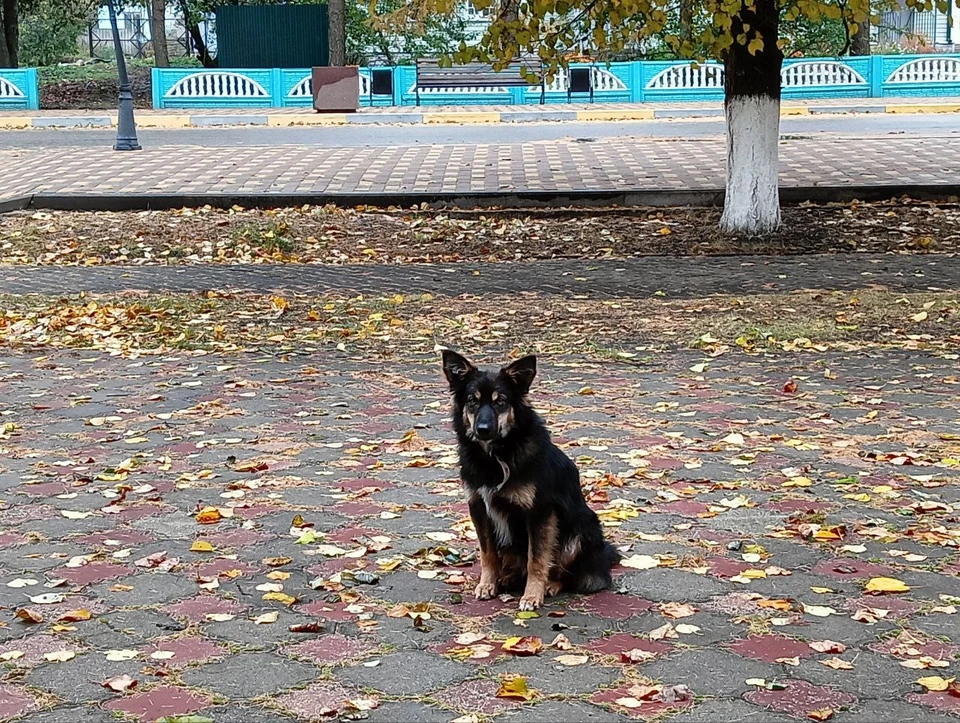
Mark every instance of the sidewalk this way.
pixel 619 165
pixel 190 118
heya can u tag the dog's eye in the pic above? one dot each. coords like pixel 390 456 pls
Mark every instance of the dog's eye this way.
pixel 471 402
pixel 501 403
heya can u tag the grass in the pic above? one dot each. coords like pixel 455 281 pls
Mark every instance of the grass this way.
pixel 53 74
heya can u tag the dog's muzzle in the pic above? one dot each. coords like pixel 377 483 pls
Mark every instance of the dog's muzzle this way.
pixel 485 424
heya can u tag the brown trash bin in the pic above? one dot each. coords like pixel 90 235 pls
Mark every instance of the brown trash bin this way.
pixel 336 90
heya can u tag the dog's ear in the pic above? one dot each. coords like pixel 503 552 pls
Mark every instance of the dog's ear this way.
pixel 521 373
pixel 456 368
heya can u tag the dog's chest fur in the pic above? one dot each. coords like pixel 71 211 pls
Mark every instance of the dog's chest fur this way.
pixel 501 526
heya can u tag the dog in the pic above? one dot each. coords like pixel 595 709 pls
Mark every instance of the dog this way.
pixel 535 530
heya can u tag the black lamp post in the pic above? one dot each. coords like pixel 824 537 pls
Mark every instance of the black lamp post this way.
pixel 126 125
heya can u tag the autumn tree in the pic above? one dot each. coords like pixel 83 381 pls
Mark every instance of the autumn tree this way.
pixel 744 34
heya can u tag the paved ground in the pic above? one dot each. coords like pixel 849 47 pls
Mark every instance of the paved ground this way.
pixel 607 164
pixel 675 277
pixel 941 127
pixel 759 516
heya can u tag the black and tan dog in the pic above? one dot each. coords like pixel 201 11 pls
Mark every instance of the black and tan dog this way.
pixel 533 524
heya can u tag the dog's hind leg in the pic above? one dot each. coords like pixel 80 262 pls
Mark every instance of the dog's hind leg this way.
pixel 542 543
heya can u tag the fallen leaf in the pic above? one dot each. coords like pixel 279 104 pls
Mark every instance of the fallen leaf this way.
pixel 921 316
pixel 11 655
pixel 363 704
pixel 116 656
pixel 935 683
pixel 628 702
pixel 516 688
pixel 571 660
pixel 71 515
pixel 219 617
pixel 276 561
pixel 924 662
pixel 307 628
pixel 820 714
pixel 687 629
pixel 266 618
pixel 280 597
pixel 441 536
pixel 163 654
pixel 636 655
pixel 640 562
pixel 561 642
pixel 201 546
pixel 820 611
pixel 28 615
pixel 794 661
pixel 884 585
pixel 60 656
pixel 523 646
pixel 664 631
pixel 837 664
pixel 209 516
pixel 677 610
pixel 827 646
pixel 120 683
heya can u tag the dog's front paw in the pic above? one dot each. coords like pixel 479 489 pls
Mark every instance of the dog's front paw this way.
pixel 554 587
pixel 531 600
pixel 485 590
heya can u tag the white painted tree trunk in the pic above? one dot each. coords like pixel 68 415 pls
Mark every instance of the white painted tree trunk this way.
pixel 752 203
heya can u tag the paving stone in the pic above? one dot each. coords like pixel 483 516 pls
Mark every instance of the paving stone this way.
pixel 392 712
pixel 147 589
pixel 250 675
pixel 722 673
pixel 873 676
pixel 554 711
pixel 665 584
pixel 555 679
pixel 243 631
pixel 873 711
pixel 713 710
pixel 407 673
pixel 86 714
pixel 160 702
pixel 78 680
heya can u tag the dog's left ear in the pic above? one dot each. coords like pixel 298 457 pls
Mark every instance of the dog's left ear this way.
pixel 521 373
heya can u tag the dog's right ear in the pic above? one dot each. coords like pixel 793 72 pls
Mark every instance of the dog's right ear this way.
pixel 457 369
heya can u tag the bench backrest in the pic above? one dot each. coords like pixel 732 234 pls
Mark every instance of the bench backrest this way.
pixel 477 75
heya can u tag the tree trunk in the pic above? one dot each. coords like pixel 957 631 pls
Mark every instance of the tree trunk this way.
pixel 9 34
pixel 158 31
pixel 861 39
pixel 337 32
pixel 196 37
pixel 752 109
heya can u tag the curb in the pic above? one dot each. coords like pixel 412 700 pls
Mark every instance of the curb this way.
pixel 790 195
pixel 276 120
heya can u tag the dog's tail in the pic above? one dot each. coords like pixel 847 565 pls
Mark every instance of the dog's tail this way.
pixel 599 578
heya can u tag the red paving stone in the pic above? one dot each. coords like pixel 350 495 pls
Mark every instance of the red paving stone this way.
pixel 158 703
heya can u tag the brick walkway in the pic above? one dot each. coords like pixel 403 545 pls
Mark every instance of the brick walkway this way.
pixel 619 164
pixel 688 277
pixel 237 622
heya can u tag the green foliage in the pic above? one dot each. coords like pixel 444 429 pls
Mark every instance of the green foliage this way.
pixel 49 30
pixel 428 37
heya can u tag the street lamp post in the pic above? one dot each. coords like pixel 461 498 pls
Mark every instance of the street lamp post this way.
pixel 126 125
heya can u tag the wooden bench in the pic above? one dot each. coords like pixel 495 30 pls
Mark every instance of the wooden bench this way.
pixel 479 75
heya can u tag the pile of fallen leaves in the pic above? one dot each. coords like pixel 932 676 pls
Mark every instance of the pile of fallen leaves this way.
pixel 330 235
pixel 624 328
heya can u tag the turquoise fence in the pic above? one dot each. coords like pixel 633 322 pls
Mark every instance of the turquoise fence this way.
pixel 19 89
pixel 633 82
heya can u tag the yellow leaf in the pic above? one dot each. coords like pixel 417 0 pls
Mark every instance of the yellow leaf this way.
pixel 516 688
pixel 280 597
pixel 882 585
pixel 209 516
pixel 935 683
pixel 922 316
pixel 201 546
pixel 820 714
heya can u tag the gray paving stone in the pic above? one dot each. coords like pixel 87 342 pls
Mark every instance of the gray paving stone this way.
pixel 713 710
pixel 873 676
pixel 709 671
pixel 149 588
pixel 555 679
pixel 395 712
pixel 666 584
pixel 894 711
pixel 250 675
pixel 241 714
pixel 407 673
pixel 86 714
pixel 567 711
pixel 78 680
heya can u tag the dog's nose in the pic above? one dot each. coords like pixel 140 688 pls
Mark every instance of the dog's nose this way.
pixel 483 430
